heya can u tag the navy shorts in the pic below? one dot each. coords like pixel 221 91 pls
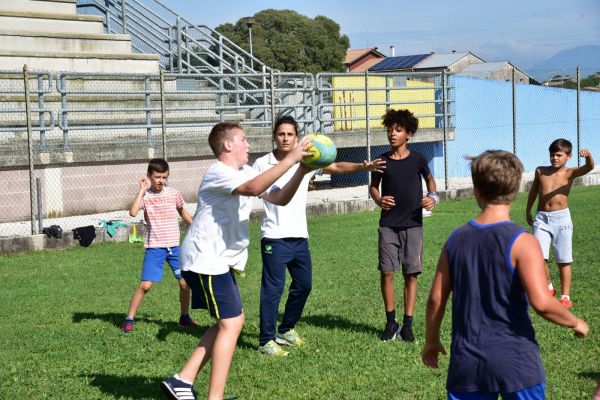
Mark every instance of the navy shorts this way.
pixel 154 260
pixel 218 294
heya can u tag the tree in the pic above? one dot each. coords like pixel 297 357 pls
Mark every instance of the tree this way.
pixel 590 81
pixel 288 41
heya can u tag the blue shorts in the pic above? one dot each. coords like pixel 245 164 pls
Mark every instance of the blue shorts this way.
pixel 218 294
pixel 154 260
pixel 537 392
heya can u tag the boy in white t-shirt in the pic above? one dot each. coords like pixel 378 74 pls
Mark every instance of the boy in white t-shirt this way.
pixel 217 242
pixel 161 204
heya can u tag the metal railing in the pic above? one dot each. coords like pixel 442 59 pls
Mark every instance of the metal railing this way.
pixel 184 47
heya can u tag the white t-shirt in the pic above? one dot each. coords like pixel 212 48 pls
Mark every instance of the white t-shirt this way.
pixel 284 221
pixel 218 237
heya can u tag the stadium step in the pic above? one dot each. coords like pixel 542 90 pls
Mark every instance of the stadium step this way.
pixel 47 6
pixel 65 42
pixel 80 62
pixel 50 22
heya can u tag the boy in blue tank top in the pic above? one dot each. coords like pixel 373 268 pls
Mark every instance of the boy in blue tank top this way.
pixel 494 270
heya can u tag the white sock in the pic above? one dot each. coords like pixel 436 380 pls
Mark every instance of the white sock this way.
pixel 176 376
pixel 550 287
pixel 565 296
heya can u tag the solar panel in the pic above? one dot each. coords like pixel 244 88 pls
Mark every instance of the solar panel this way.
pixel 401 62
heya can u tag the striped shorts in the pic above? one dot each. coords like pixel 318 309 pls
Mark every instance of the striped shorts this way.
pixel 218 294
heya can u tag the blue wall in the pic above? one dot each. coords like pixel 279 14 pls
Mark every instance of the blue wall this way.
pixel 483 120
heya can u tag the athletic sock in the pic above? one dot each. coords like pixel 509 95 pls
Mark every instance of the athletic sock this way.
pixel 565 296
pixel 550 287
pixel 176 376
pixel 407 320
pixel 390 316
pixel 128 319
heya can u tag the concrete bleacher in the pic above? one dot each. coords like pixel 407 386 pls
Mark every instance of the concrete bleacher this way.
pixel 50 35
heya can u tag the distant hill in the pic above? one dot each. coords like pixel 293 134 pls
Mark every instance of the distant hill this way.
pixel 565 63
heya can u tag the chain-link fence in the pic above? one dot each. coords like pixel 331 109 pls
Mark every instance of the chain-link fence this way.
pixel 79 160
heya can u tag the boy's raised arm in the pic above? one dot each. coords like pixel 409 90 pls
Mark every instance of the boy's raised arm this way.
pixel 533 193
pixel 284 195
pixel 260 183
pixel 137 202
pixel 436 306
pixel 587 167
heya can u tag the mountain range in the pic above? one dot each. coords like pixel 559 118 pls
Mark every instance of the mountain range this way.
pixel 565 63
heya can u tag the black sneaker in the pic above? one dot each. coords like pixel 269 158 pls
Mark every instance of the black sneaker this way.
pixel 406 333
pixel 390 332
pixel 174 389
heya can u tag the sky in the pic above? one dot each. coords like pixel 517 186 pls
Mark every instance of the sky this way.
pixel 523 32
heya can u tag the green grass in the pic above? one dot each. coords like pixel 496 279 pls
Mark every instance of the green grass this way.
pixel 60 312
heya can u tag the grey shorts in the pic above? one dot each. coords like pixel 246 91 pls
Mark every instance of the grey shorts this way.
pixel 401 247
pixel 556 228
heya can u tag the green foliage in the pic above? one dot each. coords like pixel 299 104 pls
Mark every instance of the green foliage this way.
pixel 60 315
pixel 288 41
pixel 590 81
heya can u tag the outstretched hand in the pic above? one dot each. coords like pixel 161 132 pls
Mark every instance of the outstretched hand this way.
pixel 377 165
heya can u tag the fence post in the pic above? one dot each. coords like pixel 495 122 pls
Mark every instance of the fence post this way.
pixel 107 15
pixel 514 112
pixel 42 122
pixel 30 150
pixel 368 130
pixel 64 112
pixel 163 119
pixel 179 50
pixel 148 104
pixel 123 14
pixel 578 117
pixel 272 75
pixel 445 122
pixel 40 215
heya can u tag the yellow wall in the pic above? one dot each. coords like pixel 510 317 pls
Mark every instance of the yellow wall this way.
pixel 349 89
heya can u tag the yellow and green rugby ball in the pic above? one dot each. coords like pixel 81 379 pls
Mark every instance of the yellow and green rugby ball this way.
pixel 323 151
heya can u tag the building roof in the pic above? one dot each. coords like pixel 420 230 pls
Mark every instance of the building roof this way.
pixel 478 69
pixel 485 69
pixel 444 60
pixel 353 55
pixel 401 62
pixel 367 64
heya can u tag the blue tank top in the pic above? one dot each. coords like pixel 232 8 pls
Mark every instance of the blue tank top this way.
pixel 493 342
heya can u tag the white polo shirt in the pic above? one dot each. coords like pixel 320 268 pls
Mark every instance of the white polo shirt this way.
pixel 284 221
pixel 218 237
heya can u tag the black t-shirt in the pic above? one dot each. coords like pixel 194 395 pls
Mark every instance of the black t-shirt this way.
pixel 402 179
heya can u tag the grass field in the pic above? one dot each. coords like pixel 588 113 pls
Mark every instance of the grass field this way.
pixel 60 313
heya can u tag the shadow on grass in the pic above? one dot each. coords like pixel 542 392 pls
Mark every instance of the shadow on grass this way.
pixel 245 341
pixel 131 387
pixel 165 327
pixel 329 321
pixel 593 375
